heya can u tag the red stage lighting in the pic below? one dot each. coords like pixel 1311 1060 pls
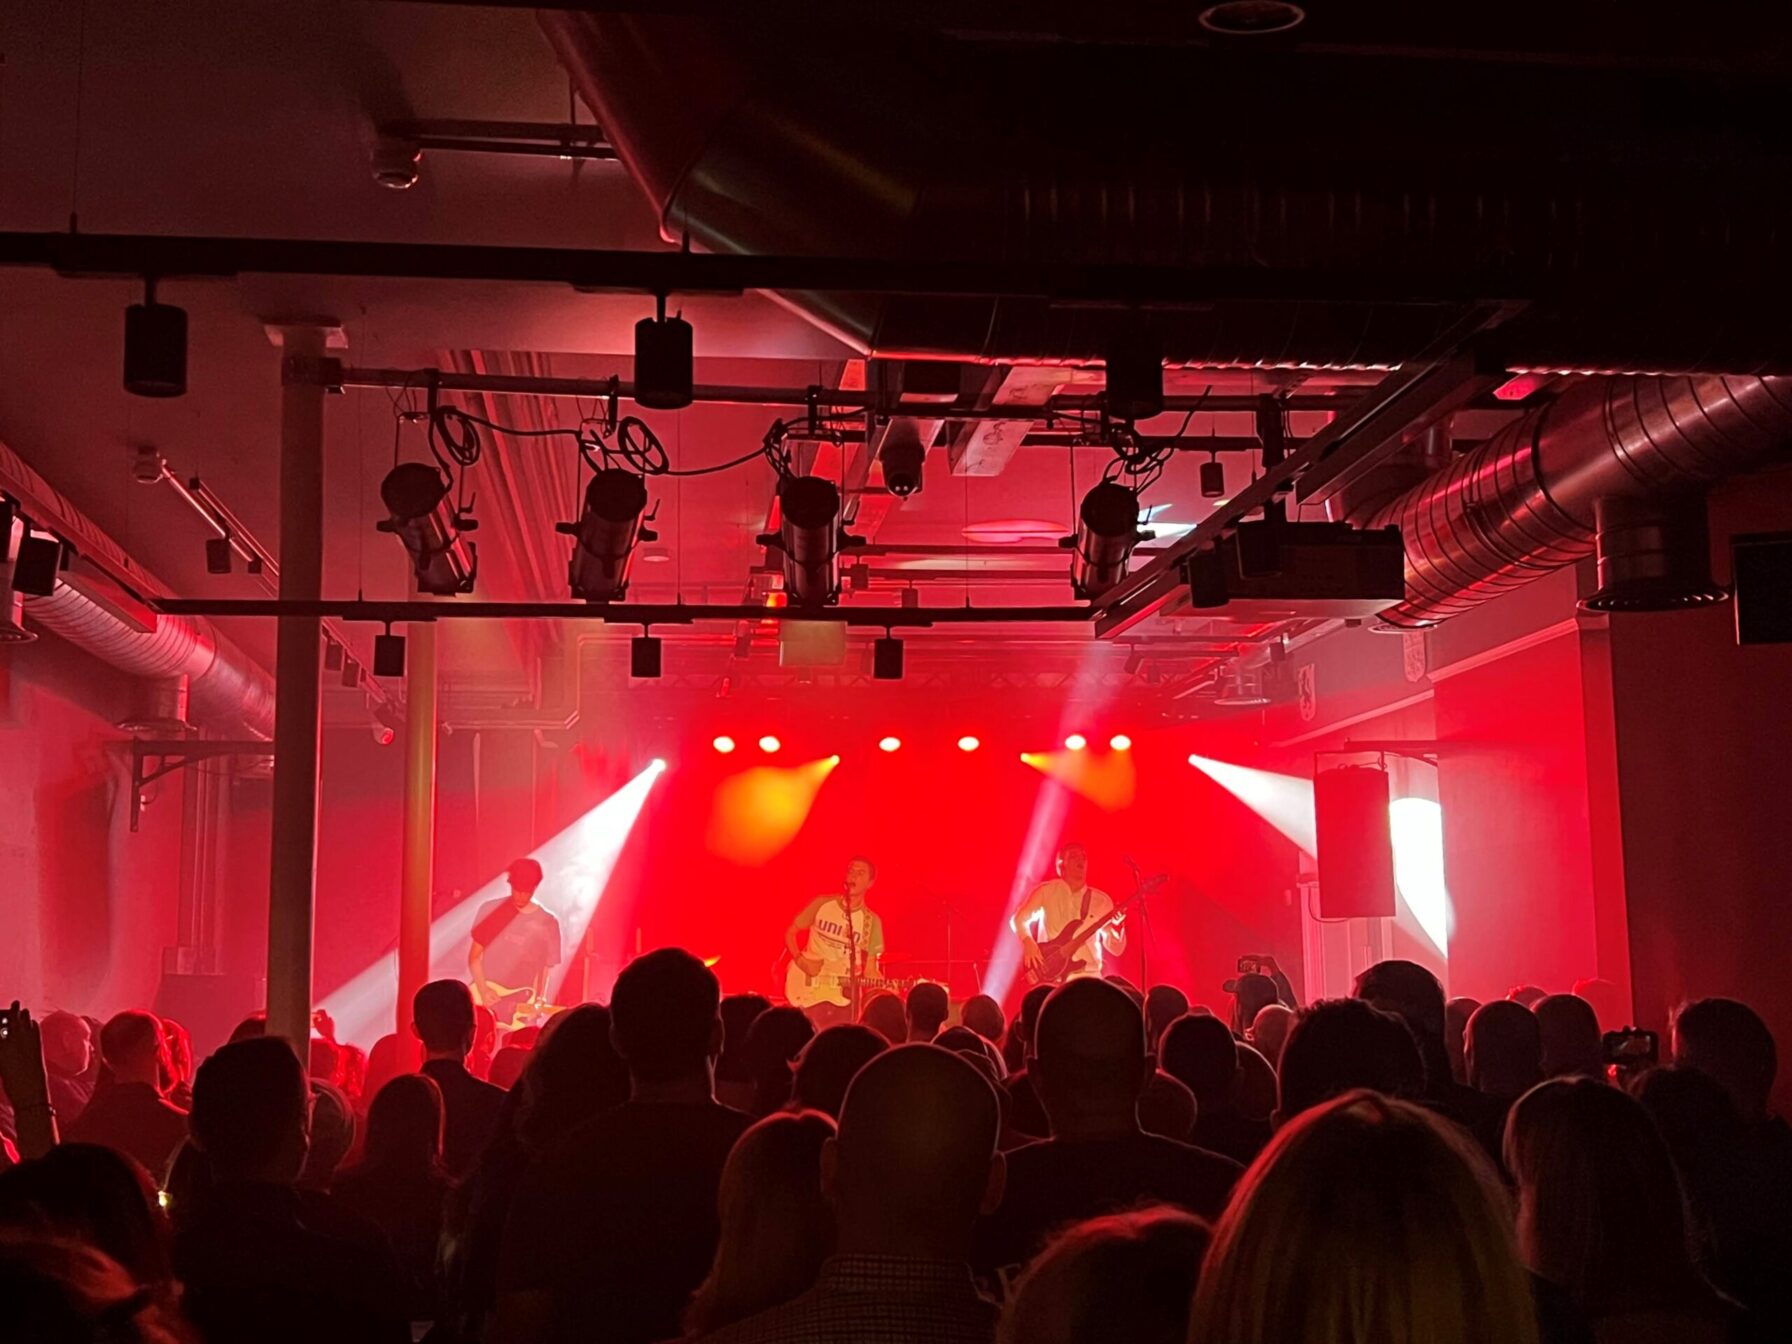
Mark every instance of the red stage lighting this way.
pixel 723 744
pixel 1120 742
pixel 769 744
pixel 889 744
pixel 968 743
pixel 1075 742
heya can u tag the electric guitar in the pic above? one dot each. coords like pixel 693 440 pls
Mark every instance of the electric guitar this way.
pixel 518 1007
pixel 831 986
pixel 1059 959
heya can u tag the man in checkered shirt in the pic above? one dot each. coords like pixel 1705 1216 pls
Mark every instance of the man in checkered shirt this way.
pixel 912 1167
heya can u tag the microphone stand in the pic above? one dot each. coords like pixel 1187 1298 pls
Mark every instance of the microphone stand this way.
pixel 1144 931
pixel 854 990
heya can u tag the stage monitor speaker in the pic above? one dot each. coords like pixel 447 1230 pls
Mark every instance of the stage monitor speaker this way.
pixel 1356 851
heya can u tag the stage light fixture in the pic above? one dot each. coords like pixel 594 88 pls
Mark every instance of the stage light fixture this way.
pixel 155 347
pixel 1075 742
pixel 607 532
pixel 1107 530
pixel 886 659
pixel 1242 689
pixel 384 735
pixel 968 743
pixel 889 744
pixel 1120 742
pixel 723 744
pixel 1213 479
pixel 644 657
pixel 388 655
pixel 350 673
pixel 442 559
pixel 903 455
pixel 769 744
pixel 810 538
pixel 35 564
pixel 664 363
pixel 217 555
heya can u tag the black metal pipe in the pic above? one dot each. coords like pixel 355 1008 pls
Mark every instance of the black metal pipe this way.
pixel 617 613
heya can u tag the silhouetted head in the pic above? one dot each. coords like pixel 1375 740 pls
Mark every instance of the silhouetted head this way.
pixel 93 1195
pixel 68 1044
pixel 252 1111
pixel 1365 1219
pixel 928 1009
pixel 664 1016
pixel 1163 1005
pixel 885 1014
pixel 829 1063
pixel 1167 1107
pixel 1251 994
pixel 775 1039
pixel 404 1125
pixel 983 1015
pixel 1269 1033
pixel 1503 1050
pixel 1456 1015
pixel 1201 1052
pixel 572 1075
pixel 1571 1039
pixel 1729 1041
pixel 1340 1045
pixel 1528 996
pixel 1089 1063
pixel 131 1044
pixel 915 1161
pixel 525 879
pixel 1128 1276
pixel 738 1013
pixel 60 1290
pixel 1600 1210
pixel 442 1017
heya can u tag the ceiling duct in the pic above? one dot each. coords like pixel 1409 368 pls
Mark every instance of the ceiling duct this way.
pixel 1654 554
pixel 1350 239
pixel 225 688
pixel 1528 500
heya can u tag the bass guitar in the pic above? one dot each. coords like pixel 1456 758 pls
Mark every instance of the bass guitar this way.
pixel 1059 957
pixel 830 985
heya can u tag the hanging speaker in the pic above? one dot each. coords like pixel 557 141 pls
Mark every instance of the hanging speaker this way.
pixel 1356 853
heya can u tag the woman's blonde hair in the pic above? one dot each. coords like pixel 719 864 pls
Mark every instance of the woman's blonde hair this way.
pixel 1365 1221
pixel 776 1226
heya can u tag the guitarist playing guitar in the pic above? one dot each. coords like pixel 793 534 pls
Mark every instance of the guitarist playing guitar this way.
pixel 515 944
pixel 1067 901
pixel 845 943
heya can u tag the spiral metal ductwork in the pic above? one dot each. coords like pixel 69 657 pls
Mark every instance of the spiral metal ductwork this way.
pixel 1524 502
pixel 225 687
pixel 755 137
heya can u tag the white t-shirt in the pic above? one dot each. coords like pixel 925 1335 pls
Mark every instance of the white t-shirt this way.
pixel 828 940
pixel 1053 907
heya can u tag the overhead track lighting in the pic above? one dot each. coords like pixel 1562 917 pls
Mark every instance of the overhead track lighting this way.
pixel 443 560
pixel 155 347
pixel 607 531
pixel 810 537
pixel 1213 478
pixel 1106 532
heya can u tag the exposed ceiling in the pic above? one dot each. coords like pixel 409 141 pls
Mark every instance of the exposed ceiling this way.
pixel 258 120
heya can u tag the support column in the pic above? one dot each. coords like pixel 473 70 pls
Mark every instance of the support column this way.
pixel 298 705
pixel 418 880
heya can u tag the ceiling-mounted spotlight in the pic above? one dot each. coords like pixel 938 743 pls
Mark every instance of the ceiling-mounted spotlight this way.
pixel 217 555
pixel 36 559
pixel 810 537
pixel 607 531
pixel 664 365
pixel 155 347
pixel 1241 688
pixel 1135 372
pixel 443 560
pixel 644 657
pixel 903 455
pixel 886 659
pixel 1213 478
pixel 1107 530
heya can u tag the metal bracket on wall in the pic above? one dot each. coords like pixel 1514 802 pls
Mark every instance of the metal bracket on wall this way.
pixel 152 758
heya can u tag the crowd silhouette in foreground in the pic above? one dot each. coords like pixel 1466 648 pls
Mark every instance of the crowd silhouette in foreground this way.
pixel 1108 1164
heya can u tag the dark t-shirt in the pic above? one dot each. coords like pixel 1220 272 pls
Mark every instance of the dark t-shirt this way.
pixel 617 1221
pixel 1059 1181
pixel 133 1119
pixel 470 1110
pixel 519 944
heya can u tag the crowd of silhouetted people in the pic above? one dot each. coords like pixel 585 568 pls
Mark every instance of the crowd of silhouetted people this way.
pixel 1106 1164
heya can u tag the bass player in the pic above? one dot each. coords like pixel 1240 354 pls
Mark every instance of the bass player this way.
pixel 1064 901
pixel 843 934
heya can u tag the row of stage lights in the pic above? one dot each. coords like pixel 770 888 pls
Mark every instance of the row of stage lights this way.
pixel 770 744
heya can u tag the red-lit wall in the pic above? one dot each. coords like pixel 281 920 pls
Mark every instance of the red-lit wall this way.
pixel 89 906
